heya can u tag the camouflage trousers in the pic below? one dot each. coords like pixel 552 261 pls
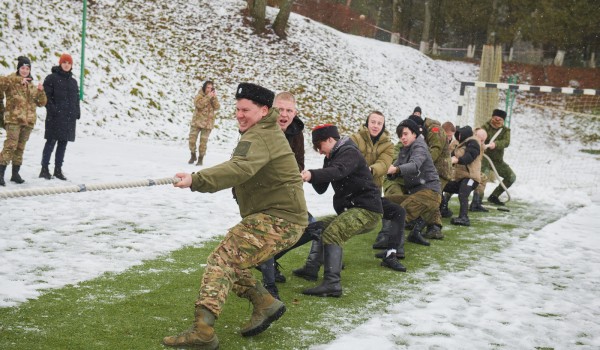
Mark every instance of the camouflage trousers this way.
pixel 204 134
pixel 14 145
pixel 506 173
pixel 481 187
pixel 352 222
pixel 425 203
pixel 255 239
pixel 393 187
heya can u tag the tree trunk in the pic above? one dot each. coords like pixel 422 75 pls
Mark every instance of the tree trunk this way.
pixel 559 59
pixel 258 12
pixel 424 47
pixel 282 18
pixel 492 23
pixel 396 15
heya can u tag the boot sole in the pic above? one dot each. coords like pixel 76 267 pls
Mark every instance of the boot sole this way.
pixel 306 277
pixel 263 326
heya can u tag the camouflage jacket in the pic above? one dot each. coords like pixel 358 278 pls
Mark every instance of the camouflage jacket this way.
pixel 205 110
pixel 263 172
pixel 21 101
pixel 439 148
pixel 502 141
pixel 379 155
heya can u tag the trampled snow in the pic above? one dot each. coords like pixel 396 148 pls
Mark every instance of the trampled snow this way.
pixel 541 291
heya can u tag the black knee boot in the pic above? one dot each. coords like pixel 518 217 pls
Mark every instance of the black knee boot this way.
pixel 331 286
pixel 2 171
pixel 463 218
pixel 415 234
pixel 310 270
pixel 445 212
pixel 382 237
pixel 476 204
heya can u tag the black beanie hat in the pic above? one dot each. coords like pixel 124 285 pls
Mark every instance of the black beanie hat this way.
pixel 463 133
pixel 255 93
pixel 499 113
pixel 418 120
pixel 23 61
pixel 417 109
pixel 407 123
pixel 323 132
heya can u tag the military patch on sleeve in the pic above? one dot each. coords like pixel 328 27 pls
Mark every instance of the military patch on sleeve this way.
pixel 242 148
pixel 435 129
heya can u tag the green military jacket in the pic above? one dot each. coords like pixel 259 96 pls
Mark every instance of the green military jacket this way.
pixel 379 156
pixel 264 173
pixel 438 148
pixel 502 141
pixel 21 100
pixel 205 108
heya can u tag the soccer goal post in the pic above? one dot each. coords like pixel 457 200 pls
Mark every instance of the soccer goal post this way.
pixel 545 121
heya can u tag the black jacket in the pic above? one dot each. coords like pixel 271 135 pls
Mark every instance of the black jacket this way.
pixel 62 109
pixel 347 171
pixel 295 137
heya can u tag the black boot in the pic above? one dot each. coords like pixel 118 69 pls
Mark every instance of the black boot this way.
pixel 192 158
pixel 15 174
pixel 434 232
pixel 45 173
pixel 382 237
pixel 391 261
pixel 2 171
pixel 476 204
pixel 495 200
pixel 444 210
pixel 331 286
pixel 310 270
pixel 272 289
pixel 415 234
pixel 200 159
pixel 279 277
pixel 463 218
pixel 58 173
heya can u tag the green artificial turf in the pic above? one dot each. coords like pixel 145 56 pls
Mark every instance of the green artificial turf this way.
pixel 137 308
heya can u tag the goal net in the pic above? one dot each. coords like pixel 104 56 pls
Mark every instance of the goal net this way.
pixel 547 123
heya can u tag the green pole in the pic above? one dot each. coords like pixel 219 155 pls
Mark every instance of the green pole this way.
pixel 82 74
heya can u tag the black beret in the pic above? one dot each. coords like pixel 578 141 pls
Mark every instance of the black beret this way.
pixel 499 113
pixel 324 131
pixel 255 93
pixel 407 123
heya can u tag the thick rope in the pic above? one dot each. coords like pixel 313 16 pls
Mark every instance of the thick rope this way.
pixel 40 191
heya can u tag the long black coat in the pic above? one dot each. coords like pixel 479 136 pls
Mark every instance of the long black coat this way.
pixel 62 109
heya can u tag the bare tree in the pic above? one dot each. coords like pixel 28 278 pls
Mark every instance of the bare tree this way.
pixel 424 47
pixel 282 18
pixel 258 10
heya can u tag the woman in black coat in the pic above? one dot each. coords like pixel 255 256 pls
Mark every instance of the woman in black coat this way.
pixel 62 112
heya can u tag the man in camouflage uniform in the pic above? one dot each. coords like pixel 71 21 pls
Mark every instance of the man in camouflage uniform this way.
pixel 270 195
pixel 495 150
pixel 206 104
pixel 22 97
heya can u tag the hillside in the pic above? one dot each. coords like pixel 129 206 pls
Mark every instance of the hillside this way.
pixel 145 60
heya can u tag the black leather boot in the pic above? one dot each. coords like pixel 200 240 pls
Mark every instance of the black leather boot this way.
pixel 495 200
pixel 382 237
pixel 476 204
pixel 310 270
pixel 391 261
pixel 58 173
pixel 45 173
pixel 415 234
pixel 2 171
pixel 15 174
pixel 331 286
pixel 445 212
pixel 463 218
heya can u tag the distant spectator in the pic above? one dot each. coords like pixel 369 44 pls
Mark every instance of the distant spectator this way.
pixel 206 104
pixel 62 113
pixel 22 97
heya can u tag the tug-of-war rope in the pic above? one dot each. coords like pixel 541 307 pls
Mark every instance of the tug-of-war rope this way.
pixel 41 191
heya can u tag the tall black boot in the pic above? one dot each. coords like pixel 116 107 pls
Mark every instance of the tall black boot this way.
pixel 382 237
pixel 2 171
pixel 445 212
pixel 45 173
pixel 58 173
pixel 310 270
pixel 463 218
pixel 15 174
pixel 476 204
pixel 331 286
pixel 415 234
pixel 391 255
